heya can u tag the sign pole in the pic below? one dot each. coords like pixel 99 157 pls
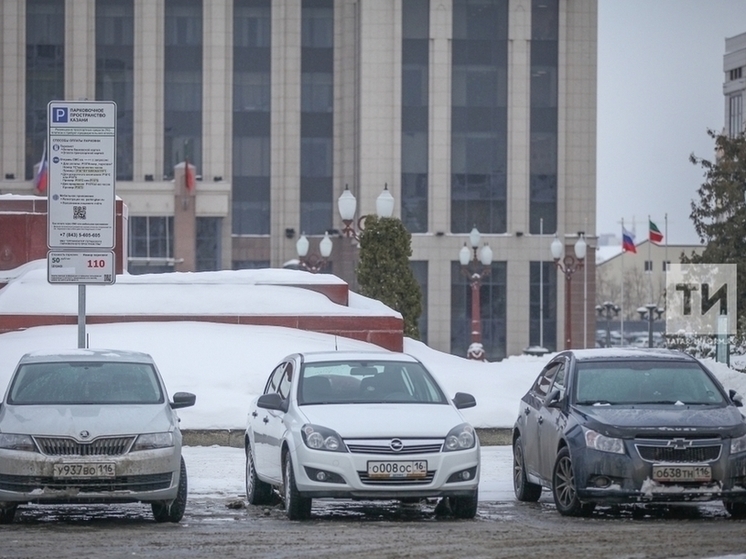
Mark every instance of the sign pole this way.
pixel 81 315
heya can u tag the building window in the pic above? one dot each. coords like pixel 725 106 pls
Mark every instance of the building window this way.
pixel 543 113
pixel 151 244
pixel 45 72
pixel 419 269
pixel 250 264
pixel 114 73
pixel 414 114
pixel 479 109
pixel 182 88
pixel 208 243
pixel 543 326
pixel 735 115
pixel 666 265
pixel 648 265
pixel 735 74
pixel 492 312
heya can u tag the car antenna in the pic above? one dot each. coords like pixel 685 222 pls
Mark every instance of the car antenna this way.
pixel 335 343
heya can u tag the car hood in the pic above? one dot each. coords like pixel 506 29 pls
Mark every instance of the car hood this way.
pixel 69 420
pixel 669 419
pixel 384 420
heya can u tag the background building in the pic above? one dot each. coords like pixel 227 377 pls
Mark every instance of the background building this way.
pixel 472 112
pixel 734 86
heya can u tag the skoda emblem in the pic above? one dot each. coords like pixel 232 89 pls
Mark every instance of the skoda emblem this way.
pixel 85 434
pixel 396 445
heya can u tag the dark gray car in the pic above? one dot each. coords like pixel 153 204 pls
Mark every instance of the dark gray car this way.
pixel 613 426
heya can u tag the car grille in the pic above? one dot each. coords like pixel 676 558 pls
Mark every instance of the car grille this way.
pixel 65 446
pixel 383 446
pixel 367 480
pixel 696 451
pixel 27 484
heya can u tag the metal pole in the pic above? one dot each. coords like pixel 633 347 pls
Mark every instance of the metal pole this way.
pixel 568 306
pixel 476 325
pixel 541 285
pixel 81 316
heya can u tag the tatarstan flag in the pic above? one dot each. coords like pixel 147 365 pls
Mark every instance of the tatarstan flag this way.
pixel 655 234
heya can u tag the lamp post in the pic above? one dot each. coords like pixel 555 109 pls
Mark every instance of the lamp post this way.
pixel 314 263
pixel 347 204
pixel 650 312
pixel 606 310
pixel 568 266
pixel 476 265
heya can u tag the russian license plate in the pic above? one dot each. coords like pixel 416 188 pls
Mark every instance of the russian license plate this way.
pixel 664 473
pixel 88 470
pixel 398 469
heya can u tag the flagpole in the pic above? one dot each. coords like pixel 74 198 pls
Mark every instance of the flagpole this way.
pixel 621 322
pixel 665 256
pixel 650 260
pixel 541 284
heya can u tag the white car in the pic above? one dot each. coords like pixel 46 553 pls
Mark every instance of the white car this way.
pixel 91 426
pixel 359 426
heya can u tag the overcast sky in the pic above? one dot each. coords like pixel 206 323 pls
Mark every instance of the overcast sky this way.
pixel 660 87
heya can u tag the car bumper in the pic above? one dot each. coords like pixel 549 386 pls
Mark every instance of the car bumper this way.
pixel 607 478
pixel 448 474
pixel 148 475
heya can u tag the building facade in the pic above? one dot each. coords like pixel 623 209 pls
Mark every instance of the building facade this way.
pixel 734 84
pixel 470 112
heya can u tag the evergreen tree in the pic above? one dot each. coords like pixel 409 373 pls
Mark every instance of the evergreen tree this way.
pixel 383 272
pixel 719 215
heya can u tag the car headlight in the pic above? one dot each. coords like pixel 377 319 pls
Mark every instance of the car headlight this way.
pixel 150 441
pixel 597 441
pixel 738 445
pixel 460 437
pixel 17 442
pixel 321 438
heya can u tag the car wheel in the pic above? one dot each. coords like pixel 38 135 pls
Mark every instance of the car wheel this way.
pixel 163 512
pixel 257 491
pixel 563 488
pixel 465 507
pixel 297 507
pixel 524 489
pixel 735 509
pixel 7 513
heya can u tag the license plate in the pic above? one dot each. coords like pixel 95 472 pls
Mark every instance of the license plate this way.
pixel 399 469
pixel 87 470
pixel 677 474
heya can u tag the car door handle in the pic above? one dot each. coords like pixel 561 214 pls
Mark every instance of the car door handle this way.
pixel 266 419
pixel 527 410
pixel 254 414
pixel 540 420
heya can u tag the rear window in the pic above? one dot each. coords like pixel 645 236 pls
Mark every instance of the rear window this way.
pixel 644 382
pixel 85 383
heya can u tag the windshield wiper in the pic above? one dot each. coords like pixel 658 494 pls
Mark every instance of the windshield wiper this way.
pixel 595 403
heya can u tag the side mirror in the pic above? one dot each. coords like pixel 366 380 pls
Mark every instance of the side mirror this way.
pixel 553 399
pixel 272 401
pixel 736 398
pixel 183 400
pixel 462 400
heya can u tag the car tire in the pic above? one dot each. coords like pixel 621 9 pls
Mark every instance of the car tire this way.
pixel 735 509
pixel 297 507
pixel 7 513
pixel 258 492
pixel 564 490
pixel 524 490
pixel 465 507
pixel 162 512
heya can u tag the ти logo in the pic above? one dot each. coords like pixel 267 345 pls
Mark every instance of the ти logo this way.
pixel 59 114
pixel 701 299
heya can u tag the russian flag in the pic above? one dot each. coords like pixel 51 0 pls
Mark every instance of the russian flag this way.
pixel 628 241
pixel 40 180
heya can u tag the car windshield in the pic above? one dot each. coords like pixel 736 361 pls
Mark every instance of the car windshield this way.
pixel 85 383
pixel 357 382
pixel 644 382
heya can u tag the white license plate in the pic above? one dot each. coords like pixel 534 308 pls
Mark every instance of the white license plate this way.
pixel 87 470
pixel 677 474
pixel 398 468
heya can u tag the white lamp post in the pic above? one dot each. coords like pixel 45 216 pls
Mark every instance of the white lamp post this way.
pixel 476 265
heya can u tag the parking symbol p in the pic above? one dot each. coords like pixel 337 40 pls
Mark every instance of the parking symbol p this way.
pixel 59 114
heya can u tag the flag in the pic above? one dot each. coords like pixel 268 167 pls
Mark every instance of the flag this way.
pixel 40 180
pixel 655 234
pixel 188 176
pixel 628 241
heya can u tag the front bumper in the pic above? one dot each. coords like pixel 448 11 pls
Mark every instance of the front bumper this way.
pixel 448 474
pixel 146 476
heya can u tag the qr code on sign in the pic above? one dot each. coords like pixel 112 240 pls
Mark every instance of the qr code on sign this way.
pixel 79 212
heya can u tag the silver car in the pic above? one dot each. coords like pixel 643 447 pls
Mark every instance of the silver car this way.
pixel 91 426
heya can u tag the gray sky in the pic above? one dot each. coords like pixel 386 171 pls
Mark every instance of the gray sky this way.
pixel 660 87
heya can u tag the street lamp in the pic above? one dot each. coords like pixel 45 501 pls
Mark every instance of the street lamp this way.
pixel 606 310
pixel 475 267
pixel 650 312
pixel 568 266
pixel 347 204
pixel 314 263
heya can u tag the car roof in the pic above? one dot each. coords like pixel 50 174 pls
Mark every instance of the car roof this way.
pixel 86 354
pixel 324 356
pixel 630 353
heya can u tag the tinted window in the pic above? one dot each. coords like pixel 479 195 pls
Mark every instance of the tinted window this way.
pixel 542 384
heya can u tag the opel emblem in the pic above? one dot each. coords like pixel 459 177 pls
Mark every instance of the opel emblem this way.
pixel 396 445
pixel 85 434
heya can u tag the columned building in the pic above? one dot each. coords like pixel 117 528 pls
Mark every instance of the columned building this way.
pixel 472 113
